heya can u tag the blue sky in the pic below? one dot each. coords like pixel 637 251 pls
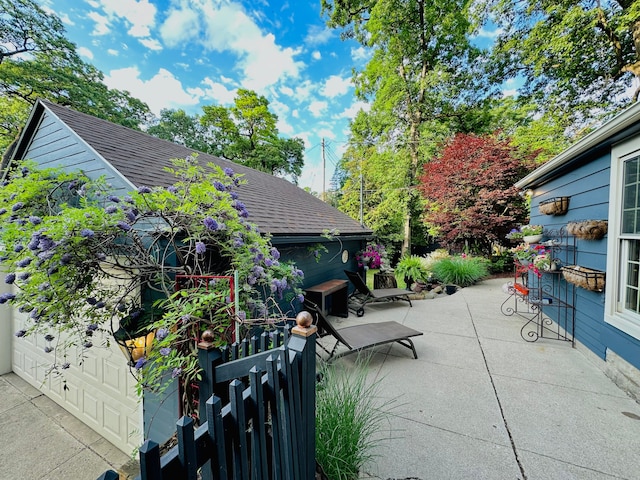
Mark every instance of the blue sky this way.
pixel 189 53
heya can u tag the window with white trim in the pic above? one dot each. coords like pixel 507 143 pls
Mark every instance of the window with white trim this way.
pixel 622 301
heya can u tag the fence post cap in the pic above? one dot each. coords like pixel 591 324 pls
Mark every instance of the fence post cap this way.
pixel 304 325
pixel 206 340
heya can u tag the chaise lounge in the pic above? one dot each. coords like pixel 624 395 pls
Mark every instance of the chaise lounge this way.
pixel 360 337
pixel 376 295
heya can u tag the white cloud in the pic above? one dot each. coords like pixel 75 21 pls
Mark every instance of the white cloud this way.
pixel 228 28
pixel 318 35
pixel 163 90
pixel 295 113
pixel 351 111
pixel 335 86
pixel 509 93
pixel 303 90
pixel 139 15
pixel 113 52
pixel 360 53
pixel 316 55
pixel 492 34
pixel 326 133
pixel 85 52
pixel 219 92
pixel 284 127
pixel 286 90
pixel 317 107
pixel 151 43
pixel 102 24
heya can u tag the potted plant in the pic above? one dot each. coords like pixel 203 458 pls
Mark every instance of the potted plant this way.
pixel 531 233
pixel 515 235
pixel 411 268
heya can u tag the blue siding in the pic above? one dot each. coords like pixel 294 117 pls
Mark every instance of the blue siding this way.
pixel 588 187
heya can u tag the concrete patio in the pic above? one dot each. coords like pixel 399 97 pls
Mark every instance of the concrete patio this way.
pixel 479 403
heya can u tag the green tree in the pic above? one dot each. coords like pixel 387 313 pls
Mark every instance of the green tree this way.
pixel 576 57
pixel 178 127
pixel 422 79
pixel 36 61
pixel 246 133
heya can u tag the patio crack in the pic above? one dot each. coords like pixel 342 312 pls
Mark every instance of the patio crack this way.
pixel 514 449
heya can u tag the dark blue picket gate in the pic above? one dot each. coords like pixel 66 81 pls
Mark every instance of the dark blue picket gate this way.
pixel 265 427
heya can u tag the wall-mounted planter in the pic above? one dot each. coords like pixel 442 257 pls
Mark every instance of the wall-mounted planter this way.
pixel 588 229
pixel 554 206
pixel 584 277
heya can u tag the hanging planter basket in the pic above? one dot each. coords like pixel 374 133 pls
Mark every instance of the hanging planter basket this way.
pixel 588 229
pixel 583 277
pixel 554 206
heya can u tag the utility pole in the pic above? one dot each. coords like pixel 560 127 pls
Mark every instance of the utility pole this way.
pixel 324 166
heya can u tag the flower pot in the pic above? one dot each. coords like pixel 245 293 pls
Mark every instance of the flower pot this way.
pixel 450 289
pixel 532 238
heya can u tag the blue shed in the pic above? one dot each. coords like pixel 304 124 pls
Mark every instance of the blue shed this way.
pixel 600 177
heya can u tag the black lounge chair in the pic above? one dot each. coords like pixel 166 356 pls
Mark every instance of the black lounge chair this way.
pixel 376 295
pixel 360 337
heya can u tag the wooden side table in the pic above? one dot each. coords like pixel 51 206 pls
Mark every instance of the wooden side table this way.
pixel 331 297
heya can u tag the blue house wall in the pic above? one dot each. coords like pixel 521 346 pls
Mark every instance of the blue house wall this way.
pixel 587 185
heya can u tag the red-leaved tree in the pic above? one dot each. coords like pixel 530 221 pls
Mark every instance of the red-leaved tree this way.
pixel 471 201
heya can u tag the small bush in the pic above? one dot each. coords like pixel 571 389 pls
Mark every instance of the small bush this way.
pixel 348 419
pixel 461 270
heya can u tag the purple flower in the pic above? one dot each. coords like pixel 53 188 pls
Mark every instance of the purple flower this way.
pixel 65 259
pixel 20 333
pixel 275 253
pixel 176 372
pixel 268 262
pixel 91 300
pixel 144 190
pixel 46 255
pixel 101 256
pixel 35 220
pixel 86 233
pixel 219 186
pixel 300 298
pixel 7 296
pixel 242 315
pixel 3 211
pixel 123 226
pixel 128 198
pixel 162 333
pixel 18 248
pixel 24 276
pixel 211 224
pixel 48 349
pixel 164 351
pixel 228 172
pixel 49 338
pixel 200 247
pixel 234 195
pixel 87 344
pixel 100 304
pixel 113 199
pixel 92 327
pixel 238 242
pixel 140 363
pixel 65 365
pixel 17 206
pixel 111 209
pixel 172 189
pixel 10 278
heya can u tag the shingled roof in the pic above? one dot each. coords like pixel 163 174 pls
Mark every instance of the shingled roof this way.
pixel 274 204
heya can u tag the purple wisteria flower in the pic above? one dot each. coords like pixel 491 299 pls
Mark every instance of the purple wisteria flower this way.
pixel 92 327
pixel 132 215
pixel 238 242
pixel 201 247
pixel 91 300
pixel 228 172
pixel 86 233
pixel 20 333
pixel 111 209
pixel 144 190
pixel 46 255
pixel 113 198
pixel 49 338
pixel 123 226
pixel 164 351
pixel 87 344
pixel 140 363
pixel 242 315
pixel 35 220
pixel 10 278
pixel 219 186
pixel 101 256
pixel 65 259
pixel 3 211
pixel 211 224
pixel 275 253
pixel 17 206
pixel 18 248
pixel 128 198
pixel 162 333
pixel 48 349
pixel 6 297
pixel 234 195
pixel 24 276
pixel 176 372
pixel 300 298
pixel 172 189
pixel 268 262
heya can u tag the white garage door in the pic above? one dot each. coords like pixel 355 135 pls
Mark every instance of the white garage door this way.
pixel 100 390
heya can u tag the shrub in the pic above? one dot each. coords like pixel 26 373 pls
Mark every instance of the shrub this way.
pixel 461 270
pixel 411 267
pixel 349 417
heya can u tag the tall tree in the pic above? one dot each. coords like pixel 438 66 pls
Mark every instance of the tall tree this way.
pixel 576 57
pixel 471 201
pixel 42 64
pixel 423 74
pixel 246 133
pixel 179 127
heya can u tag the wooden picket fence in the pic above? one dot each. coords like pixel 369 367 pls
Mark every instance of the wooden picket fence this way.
pixel 264 429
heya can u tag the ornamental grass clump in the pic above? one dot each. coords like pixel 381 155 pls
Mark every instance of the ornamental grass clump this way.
pixel 462 270
pixel 350 417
